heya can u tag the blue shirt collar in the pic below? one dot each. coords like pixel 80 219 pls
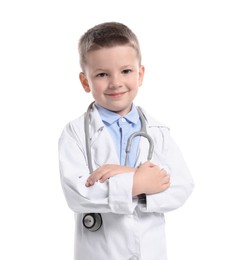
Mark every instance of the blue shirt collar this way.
pixel 111 117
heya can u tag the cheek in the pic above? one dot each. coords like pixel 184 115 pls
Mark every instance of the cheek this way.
pixel 96 89
pixel 99 85
pixel 136 82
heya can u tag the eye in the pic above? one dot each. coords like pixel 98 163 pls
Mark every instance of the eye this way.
pixel 101 75
pixel 126 71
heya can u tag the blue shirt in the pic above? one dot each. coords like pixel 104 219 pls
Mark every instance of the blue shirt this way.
pixel 120 128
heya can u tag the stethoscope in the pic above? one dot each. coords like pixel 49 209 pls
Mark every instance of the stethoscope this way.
pixel 93 221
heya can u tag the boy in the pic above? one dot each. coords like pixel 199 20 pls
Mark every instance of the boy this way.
pixel 119 209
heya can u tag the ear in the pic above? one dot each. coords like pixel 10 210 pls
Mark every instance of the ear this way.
pixel 141 75
pixel 84 82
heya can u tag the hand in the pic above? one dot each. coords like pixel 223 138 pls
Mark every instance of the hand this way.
pixel 106 171
pixel 150 179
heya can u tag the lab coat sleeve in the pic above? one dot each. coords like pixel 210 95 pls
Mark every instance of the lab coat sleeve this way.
pixel 112 196
pixel 181 182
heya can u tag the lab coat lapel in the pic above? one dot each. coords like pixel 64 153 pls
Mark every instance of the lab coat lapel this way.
pixel 102 146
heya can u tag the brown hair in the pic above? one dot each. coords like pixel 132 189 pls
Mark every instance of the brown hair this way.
pixel 108 34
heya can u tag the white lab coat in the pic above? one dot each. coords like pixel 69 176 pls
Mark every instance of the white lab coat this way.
pixel 130 230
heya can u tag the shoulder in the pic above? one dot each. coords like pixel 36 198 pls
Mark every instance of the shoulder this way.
pixel 153 122
pixel 159 131
pixel 77 123
pixel 73 128
pixel 91 118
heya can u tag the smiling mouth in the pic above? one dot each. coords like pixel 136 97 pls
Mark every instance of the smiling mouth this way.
pixel 116 94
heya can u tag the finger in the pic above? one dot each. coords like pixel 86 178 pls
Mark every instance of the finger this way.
pixel 165 186
pixel 167 179
pixel 164 171
pixel 107 176
pixel 112 172
pixel 90 181
pixel 99 173
pixel 87 184
pixel 95 176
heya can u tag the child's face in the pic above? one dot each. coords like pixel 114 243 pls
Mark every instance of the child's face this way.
pixel 113 76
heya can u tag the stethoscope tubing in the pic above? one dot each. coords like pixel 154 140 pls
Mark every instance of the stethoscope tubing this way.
pixel 93 221
pixel 142 132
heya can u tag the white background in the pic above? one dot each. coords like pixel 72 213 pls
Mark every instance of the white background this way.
pixel 186 55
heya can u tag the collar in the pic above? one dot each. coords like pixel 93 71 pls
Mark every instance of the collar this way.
pixel 110 117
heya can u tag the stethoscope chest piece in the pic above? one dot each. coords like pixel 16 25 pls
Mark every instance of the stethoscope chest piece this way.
pixel 92 221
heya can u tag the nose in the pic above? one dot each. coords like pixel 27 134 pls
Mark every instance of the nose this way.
pixel 115 81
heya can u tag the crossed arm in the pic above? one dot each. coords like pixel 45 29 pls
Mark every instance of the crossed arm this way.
pixel 148 177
